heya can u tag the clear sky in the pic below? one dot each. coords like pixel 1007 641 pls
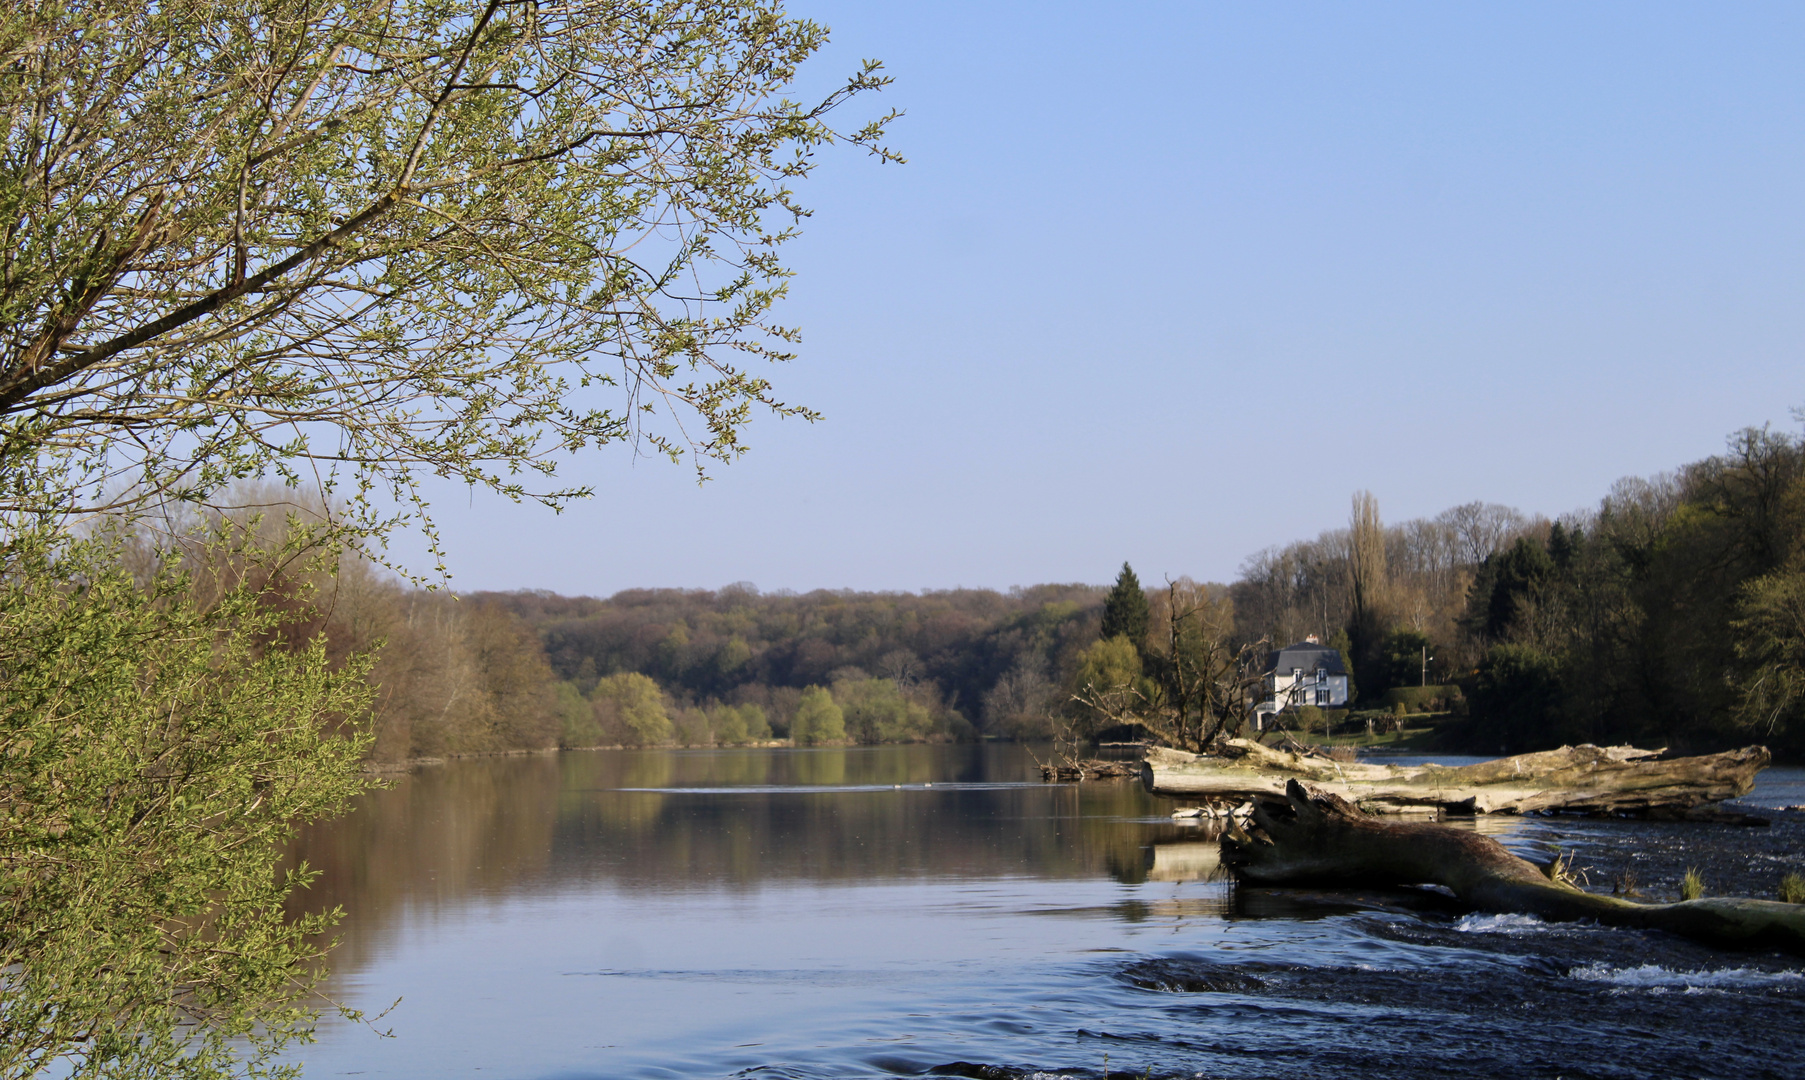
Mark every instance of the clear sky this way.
pixel 1168 282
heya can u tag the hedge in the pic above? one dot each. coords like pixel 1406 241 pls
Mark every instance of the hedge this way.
pixel 1422 698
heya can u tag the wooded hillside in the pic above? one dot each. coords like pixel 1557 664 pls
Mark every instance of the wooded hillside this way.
pixel 1673 613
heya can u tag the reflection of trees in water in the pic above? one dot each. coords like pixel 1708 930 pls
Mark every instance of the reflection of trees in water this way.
pixel 437 836
pixel 504 826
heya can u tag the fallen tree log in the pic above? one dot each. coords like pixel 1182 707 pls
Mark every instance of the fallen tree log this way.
pixel 1318 838
pixel 1582 779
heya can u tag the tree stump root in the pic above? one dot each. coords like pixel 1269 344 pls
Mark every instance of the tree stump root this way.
pixel 1317 838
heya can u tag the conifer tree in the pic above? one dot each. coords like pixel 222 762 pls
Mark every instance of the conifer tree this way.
pixel 1125 610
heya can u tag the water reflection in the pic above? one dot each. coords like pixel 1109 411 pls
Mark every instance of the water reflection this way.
pixel 683 820
pixel 896 910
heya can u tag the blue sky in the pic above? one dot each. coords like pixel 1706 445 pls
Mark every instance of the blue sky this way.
pixel 1168 283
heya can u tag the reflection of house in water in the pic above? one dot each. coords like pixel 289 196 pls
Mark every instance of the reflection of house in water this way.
pixel 1184 860
pixel 1308 673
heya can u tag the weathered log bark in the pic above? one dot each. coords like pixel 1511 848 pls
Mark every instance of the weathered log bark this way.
pixel 1584 779
pixel 1317 838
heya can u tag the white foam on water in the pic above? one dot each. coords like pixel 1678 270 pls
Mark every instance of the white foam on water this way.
pixel 1499 924
pixel 1654 979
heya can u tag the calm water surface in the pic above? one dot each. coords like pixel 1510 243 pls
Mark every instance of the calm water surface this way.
pixel 937 911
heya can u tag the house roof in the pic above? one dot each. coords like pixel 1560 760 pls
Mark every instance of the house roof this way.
pixel 1308 656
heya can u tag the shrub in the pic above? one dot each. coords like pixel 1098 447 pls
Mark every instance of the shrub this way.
pixel 1422 698
pixel 160 747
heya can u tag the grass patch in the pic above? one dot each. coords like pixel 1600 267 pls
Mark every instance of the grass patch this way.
pixel 1792 889
pixel 1692 886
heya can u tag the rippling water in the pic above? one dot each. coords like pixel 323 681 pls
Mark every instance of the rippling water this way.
pixel 933 910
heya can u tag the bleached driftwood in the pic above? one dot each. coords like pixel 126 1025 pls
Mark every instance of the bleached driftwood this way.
pixel 1582 779
pixel 1310 837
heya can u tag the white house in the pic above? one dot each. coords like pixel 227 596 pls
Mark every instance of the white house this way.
pixel 1308 673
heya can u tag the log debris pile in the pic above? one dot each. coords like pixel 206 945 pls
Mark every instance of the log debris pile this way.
pixel 1611 780
pixel 1313 837
pixel 1070 771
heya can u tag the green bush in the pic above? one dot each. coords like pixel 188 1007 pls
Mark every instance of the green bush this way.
pixel 1422 698
pixel 158 745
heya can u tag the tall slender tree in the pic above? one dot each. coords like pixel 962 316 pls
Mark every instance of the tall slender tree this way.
pixel 1368 577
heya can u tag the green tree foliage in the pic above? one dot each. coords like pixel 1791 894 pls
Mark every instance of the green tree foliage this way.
pixel 954 647
pixel 1517 699
pixel 735 725
pixel 727 725
pixel 158 749
pixel 345 242
pixel 1669 618
pixel 382 237
pixel 1190 686
pixel 1769 633
pixel 1430 698
pixel 1513 587
pixel 877 711
pixel 758 725
pixel 576 718
pixel 1403 652
pixel 1125 610
pixel 629 707
pixel 1109 681
pixel 818 719
pixel 1370 593
pixel 1344 648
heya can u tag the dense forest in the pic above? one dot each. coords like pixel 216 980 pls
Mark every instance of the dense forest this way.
pixel 1671 613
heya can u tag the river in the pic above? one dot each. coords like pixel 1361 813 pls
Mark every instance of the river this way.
pixel 935 910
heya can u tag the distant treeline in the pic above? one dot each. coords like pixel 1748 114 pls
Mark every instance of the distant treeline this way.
pixel 512 671
pixel 821 667
pixel 1673 613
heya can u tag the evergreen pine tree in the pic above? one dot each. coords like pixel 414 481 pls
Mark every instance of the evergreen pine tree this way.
pixel 1125 610
pixel 1562 546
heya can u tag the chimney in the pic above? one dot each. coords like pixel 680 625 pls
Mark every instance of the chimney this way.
pixel 1312 640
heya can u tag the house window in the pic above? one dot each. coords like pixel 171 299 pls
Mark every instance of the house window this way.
pixel 1297 673
pixel 1322 697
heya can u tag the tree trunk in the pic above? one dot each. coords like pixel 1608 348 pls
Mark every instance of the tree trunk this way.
pixel 1584 779
pixel 1317 838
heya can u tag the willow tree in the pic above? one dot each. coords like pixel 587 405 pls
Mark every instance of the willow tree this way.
pixel 343 244
pixel 354 243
